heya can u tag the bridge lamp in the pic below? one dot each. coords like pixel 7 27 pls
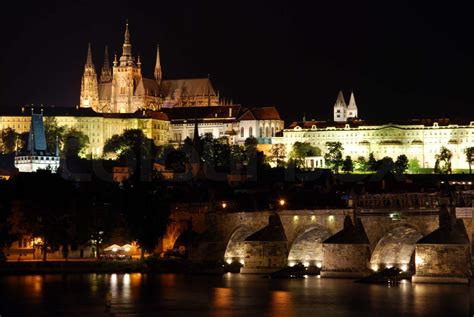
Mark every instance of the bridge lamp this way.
pixel 313 217
pixel 229 261
pixel 282 202
pixel 291 263
pixel 241 261
pixel 306 264
pixel 114 249
pixel 375 267
pixel 295 218
pixel 404 267
pixel 224 205
pixel 319 265
pixel 331 218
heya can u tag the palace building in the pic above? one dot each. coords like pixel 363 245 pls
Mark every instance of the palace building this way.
pixel 122 88
pixel 419 139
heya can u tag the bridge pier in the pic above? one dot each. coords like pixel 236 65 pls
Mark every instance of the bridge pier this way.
pixel 347 253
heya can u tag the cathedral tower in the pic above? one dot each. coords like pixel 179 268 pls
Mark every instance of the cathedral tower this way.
pixel 89 86
pixel 158 75
pixel 352 108
pixel 126 76
pixel 106 72
pixel 340 108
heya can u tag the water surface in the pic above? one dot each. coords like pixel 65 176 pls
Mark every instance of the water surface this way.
pixel 223 296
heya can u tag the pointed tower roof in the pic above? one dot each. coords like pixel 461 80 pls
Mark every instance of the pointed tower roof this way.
pixel 352 102
pixel 158 64
pixel 106 72
pixel 340 100
pixel 126 57
pixel 127 33
pixel 89 62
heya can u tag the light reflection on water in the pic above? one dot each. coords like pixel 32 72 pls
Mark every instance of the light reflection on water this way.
pixel 229 295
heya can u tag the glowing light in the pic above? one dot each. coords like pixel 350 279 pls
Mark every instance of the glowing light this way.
pixel 241 261
pixel 388 266
pixel 313 217
pixel 224 205
pixel 419 260
pixel 305 276
pixel 306 264
pixel 375 267
pixel 319 264
pixel 229 261
pixel 127 249
pixel 114 249
pixel 404 268
pixel 282 202
pixel 331 218
pixel 295 218
pixel 291 263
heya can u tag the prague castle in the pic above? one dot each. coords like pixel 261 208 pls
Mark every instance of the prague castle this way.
pixel 123 89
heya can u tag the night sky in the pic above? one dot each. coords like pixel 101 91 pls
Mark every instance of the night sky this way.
pixel 401 59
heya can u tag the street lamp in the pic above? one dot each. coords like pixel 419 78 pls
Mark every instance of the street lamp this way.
pixel 282 202
pixel 224 205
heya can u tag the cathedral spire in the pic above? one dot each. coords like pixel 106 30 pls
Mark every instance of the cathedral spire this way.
pixel 126 57
pixel 89 62
pixel 158 75
pixel 352 108
pixel 106 72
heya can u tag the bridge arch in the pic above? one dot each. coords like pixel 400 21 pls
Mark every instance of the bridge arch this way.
pixel 235 251
pixel 307 247
pixel 396 248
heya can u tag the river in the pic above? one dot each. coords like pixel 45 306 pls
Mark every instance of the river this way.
pixel 229 295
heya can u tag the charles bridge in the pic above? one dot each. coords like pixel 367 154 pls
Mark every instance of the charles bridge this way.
pixel 373 232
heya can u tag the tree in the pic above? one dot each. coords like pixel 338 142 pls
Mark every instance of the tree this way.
pixel 53 133
pixel 469 152
pixel 372 163
pixel 133 148
pixel 414 165
pixel 278 153
pixel 443 161
pixel 361 164
pixel 401 164
pixel 75 143
pixel 301 150
pixel 9 140
pixel 385 164
pixel 250 149
pixel 347 165
pixel 333 155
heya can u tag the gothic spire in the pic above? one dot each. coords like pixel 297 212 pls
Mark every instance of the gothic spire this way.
pixel 106 72
pixel 158 65
pixel 89 62
pixel 126 48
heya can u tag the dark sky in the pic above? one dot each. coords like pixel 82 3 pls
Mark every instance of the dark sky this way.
pixel 401 59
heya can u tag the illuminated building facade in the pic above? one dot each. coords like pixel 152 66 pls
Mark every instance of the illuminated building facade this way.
pixel 99 127
pixel 419 139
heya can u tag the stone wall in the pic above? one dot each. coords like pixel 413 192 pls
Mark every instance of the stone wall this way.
pixel 265 254
pixel 443 260
pixel 349 260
